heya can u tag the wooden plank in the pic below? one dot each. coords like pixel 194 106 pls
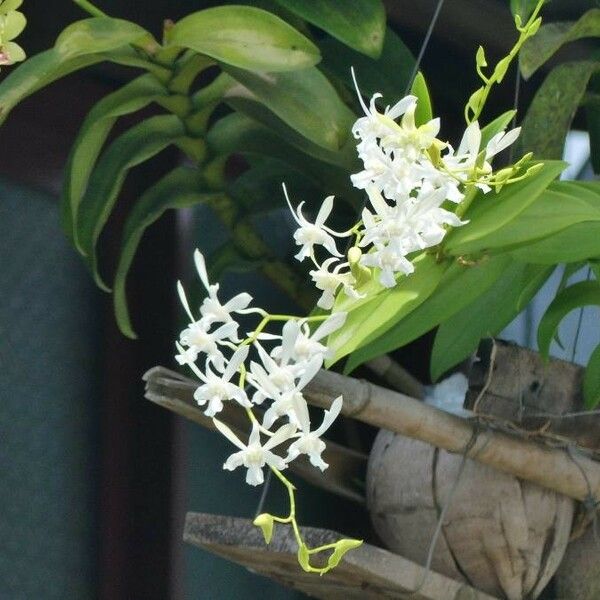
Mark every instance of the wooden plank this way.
pixel 347 467
pixel 366 573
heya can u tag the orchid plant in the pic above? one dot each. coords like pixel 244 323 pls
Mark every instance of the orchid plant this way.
pixel 419 189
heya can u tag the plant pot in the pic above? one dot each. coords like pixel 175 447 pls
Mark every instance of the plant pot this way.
pixel 501 535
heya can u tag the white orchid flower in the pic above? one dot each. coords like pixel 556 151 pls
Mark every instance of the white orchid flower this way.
pixel 254 455
pixel 212 310
pixel 218 388
pixel 310 234
pixel 283 403
pixel 197 336
pixel 329 281
pixel 305 345
pixel 308 441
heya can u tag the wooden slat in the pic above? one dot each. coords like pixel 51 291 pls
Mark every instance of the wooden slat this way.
pixel 347 467
pixel 366 573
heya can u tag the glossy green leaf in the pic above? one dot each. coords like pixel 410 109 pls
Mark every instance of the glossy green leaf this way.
pixel 539 48
pixel 92 135
pixel 360 24
pixel 370 319
pixel 245 37
pixel 489 212
pixel 82 44
pixel 575 243
pixel 551 112
pixel 459 286
pixel 576 295
pixel 237 133
pixel 591 380
pixel 259 188
pixel 181 188
pixel 132 148
pixel 97 35
pixel 459 336
pixel 562 204
pixel 389 74
pixel 424 112
pixel 304 100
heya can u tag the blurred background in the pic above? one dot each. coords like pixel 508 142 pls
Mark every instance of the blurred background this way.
pixel 94 480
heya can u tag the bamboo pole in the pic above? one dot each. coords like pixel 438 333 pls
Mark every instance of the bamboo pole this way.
pixel 576 476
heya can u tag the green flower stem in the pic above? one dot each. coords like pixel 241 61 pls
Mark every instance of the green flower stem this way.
pixel 525 32
pixel 88 7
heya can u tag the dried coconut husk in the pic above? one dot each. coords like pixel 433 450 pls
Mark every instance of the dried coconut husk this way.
pixel 578 576
pixel 502 535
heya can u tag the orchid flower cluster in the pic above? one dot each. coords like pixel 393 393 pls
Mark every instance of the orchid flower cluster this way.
pixel 417 186
pixel 268 386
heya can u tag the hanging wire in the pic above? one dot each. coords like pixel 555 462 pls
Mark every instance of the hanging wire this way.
pixel 425 43
pixel 579 321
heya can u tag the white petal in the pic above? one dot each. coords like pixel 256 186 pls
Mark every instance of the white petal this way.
pixel 284 433
pixel 184 301
pixel 312 368
pixel 360 99
pixel 324 211
pixel 330 416
pixel 254 435
pixel 234 461
pixel 239 356
pixel 333 323
pixel 287 198
pixel 326 300
pixel 239 302
pixel 229 434
pixel 254 476
pixel 290 333
pixel 301 410
pixel 201 268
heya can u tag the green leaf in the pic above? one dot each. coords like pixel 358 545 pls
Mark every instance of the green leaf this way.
pixel 459 286
pixel 591 380
pixel 424 112
pixel 389 74
pixel 539 48
pixel 341 547
pixel 360 24
pixel 489 212
pixel 245 37
pixel 96 35
pixel 259 188
pixel 304 100
pixel 181 188
pixel 549 116
pixel 459 336
pixel 579 294
pixel 82 44
pixel 562 204
pixel 266 523
pixel 238 133
pixel 371 318
pixel 575 243
pixel 92 135
pixel 132 148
